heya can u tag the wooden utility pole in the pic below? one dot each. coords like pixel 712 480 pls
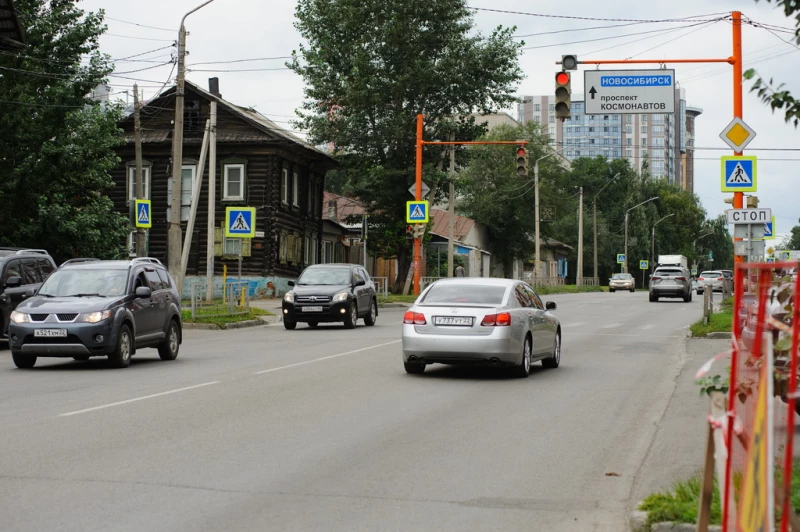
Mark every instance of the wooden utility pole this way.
pixel 139 189
pixel 174 232
pixel 579 273
pixel 212 199
pixel 451 208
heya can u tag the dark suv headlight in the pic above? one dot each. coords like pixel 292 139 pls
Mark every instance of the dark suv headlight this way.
pixel 93 317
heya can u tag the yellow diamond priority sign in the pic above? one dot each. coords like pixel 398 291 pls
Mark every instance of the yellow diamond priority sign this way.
pixel 737 134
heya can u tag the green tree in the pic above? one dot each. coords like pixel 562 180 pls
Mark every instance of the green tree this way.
pixel 370 67
pixel 57 147
pixel 793 241
pixel 777 97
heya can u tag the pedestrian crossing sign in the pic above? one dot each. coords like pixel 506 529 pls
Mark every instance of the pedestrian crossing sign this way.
pixel 417 212
pixel 620 258
pixel 769 230
pixel 142 213
pixel 644 264
pixel 240 222
pixel 739 173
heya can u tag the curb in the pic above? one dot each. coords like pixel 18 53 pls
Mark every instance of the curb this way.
pixel 394 305
pixel 638 523
pixel 263 320
pixel 715 336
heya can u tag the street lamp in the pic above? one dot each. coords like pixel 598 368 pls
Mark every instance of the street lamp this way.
pixel 653 240
pixel 626 227
pixel 536 202
pixel 594 214
pixel 694 242
pixel 174 232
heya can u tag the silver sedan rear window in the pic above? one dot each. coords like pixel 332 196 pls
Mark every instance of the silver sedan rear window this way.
pixel 464 294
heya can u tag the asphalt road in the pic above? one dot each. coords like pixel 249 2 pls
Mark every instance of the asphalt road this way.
pixel 268 429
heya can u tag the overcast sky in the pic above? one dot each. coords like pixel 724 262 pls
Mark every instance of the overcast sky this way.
pixel 227 30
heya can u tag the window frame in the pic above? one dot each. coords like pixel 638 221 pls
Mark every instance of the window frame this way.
pixel 130 171
pixel 295 189
pixel 185 166
pixel 242 169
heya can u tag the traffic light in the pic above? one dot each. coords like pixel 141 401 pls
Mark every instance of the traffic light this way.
pixel 563 94
pixel 569 62
pixel 752 202
pixel 522 161
pixel 409 231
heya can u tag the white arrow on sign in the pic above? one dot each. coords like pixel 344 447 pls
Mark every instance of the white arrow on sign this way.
pixel 425 189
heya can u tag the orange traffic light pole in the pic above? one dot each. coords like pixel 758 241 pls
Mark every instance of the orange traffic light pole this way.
pixel 738 197
pixel 418 183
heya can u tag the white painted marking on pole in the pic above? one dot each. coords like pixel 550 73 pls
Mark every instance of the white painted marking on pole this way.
pixel 324 358
pixel 138 399
pixel 611 326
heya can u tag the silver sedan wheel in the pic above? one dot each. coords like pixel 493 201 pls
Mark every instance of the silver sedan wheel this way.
pixel 526 356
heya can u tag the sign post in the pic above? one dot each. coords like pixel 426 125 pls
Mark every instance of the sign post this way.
pixel 629 91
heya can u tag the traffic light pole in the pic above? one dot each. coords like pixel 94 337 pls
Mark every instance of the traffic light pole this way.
pixel 418 181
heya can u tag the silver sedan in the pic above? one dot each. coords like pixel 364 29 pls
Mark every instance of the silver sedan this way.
pixel 498 322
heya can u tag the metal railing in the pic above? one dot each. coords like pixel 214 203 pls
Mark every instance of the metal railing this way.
pixel 589 281
pixel 546 281
pixel 381 286
pixel 425 281
pixel 235 299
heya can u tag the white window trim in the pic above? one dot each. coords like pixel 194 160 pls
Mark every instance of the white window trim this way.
pixel 225 169
pixel 295 189
pixel 193 168
pixel 285 187
pixel 132 183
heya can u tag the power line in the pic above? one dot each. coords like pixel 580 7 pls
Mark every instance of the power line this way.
pixel 140 25
pixel 572 17
pixel 591 28
pixel 145 53
pixel 137 38
pixel 702 27
pixel 244 60
pixel 146 68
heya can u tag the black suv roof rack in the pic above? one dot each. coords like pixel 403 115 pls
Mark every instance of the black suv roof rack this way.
pixel 73 261
pixel 146 259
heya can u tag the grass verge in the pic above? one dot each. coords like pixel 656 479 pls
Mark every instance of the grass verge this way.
pixel 717 322
pixel 224 320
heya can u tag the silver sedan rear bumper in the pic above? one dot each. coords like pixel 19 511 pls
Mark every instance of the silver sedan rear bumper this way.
pixel 497 347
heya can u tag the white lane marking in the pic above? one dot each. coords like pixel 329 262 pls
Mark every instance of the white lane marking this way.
pixel 569 325
pixel 611 326
pixel 324 358
pixel 628 335
pixel 645 327
pixel 138 399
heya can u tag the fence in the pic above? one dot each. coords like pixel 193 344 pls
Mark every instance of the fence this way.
pixel 425 281
pixel 588 281
pixel 764 364
pixel 235 299
pixel 382 286
pixel 546 281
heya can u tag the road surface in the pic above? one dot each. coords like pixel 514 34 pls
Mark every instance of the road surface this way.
pixel 321 429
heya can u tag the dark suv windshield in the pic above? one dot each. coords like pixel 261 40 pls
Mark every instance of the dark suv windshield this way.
pixel 321 276
pixel 78 282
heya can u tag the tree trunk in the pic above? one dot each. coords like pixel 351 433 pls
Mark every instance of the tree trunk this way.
pixel 403 264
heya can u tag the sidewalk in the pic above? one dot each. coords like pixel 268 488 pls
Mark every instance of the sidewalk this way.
pixel 680 439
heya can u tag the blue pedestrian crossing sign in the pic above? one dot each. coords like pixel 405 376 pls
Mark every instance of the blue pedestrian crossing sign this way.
pixel 620 258
pixel 142 213
pixel 739 173
pixel 240 222
pixel 769 230
pixel 694 272
pixel 417 212
pixel 770 260
pixel 644 264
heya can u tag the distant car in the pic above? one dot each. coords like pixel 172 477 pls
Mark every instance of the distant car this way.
pixel 92 308
pixel 327 293
pixel 22 272
pixel 622 281
pixel 497 322
pixel 670 281
pixel 713 278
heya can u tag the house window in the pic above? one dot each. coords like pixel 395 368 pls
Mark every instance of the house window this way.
pixel 233 182
pixel 295 189
pixel 605 129
pixel 615 129
pixel 628 153
pixel 605 117
pixel 132 182
pixel 658 130
pixel 285 187
pixel 628 129
pixel 310 201
pixel 552 131
pixel 332 210
pixel 629 142
pixel 644 119
pixel 191 116
pixel 537 107
pixel 536 119
pixel 552 119
pixel 188 177
pixel 552 107
pixel 644 141
pixel 629 119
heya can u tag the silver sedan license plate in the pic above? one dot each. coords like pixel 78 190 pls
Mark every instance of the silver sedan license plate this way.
pixel 452 320
pixel 50 333
pixel 312 309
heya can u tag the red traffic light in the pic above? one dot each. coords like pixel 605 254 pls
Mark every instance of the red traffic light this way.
pixel 521 152
pixel 562 78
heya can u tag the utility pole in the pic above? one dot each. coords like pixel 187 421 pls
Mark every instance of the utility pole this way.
pixel 174 232
pixel 141 237
pixel 594 215
pixel 212 202
pixel 625 265
pixel 580 241
pixel 451 209
pixel 536 271
pixel 365 240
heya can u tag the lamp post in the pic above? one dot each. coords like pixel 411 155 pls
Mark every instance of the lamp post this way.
pixel 653 239
pixel 626 227
pixel 694 242
pixel 594 215
pixel 536 202
pixel 174 232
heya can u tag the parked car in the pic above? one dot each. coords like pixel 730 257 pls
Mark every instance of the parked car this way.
pixel 728 274
pixel 713 278
pixel 327 293
pixel 22 272
pixel 498 322
pixel 621 281
pixel 90 308
pixel 670 281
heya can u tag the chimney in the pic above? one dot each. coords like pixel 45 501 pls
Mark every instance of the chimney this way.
pixel 213 87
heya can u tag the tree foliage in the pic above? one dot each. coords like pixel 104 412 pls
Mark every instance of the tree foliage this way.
pixel 57 150
pixel 370 66
pixel 778 97
pixel 793 240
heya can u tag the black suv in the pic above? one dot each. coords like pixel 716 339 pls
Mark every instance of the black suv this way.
pixel 22 272
pixel 89 307
pixel 331 293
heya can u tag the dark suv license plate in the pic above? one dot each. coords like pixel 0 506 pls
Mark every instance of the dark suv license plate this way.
pixel 50 333
pixel 451 320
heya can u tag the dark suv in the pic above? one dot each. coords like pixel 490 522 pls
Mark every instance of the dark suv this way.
pixel 331 293
pixel 22 272
pixel 89 308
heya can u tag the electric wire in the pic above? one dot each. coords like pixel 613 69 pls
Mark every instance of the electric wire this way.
pixel 140 25
pixel 573 17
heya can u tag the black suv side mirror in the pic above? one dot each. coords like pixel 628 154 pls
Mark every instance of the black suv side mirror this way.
pixel 290 283
pixel 14 282
pixel 550 305
pixel 143 292
pixel 360 282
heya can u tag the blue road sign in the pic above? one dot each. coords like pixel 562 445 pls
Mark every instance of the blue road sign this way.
pixel 770 260
pixel 620 258
pixel 417 212
pixel 769 230
pixel 142 213
pixel 644 264
pixel 739 173
pixel 240 222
